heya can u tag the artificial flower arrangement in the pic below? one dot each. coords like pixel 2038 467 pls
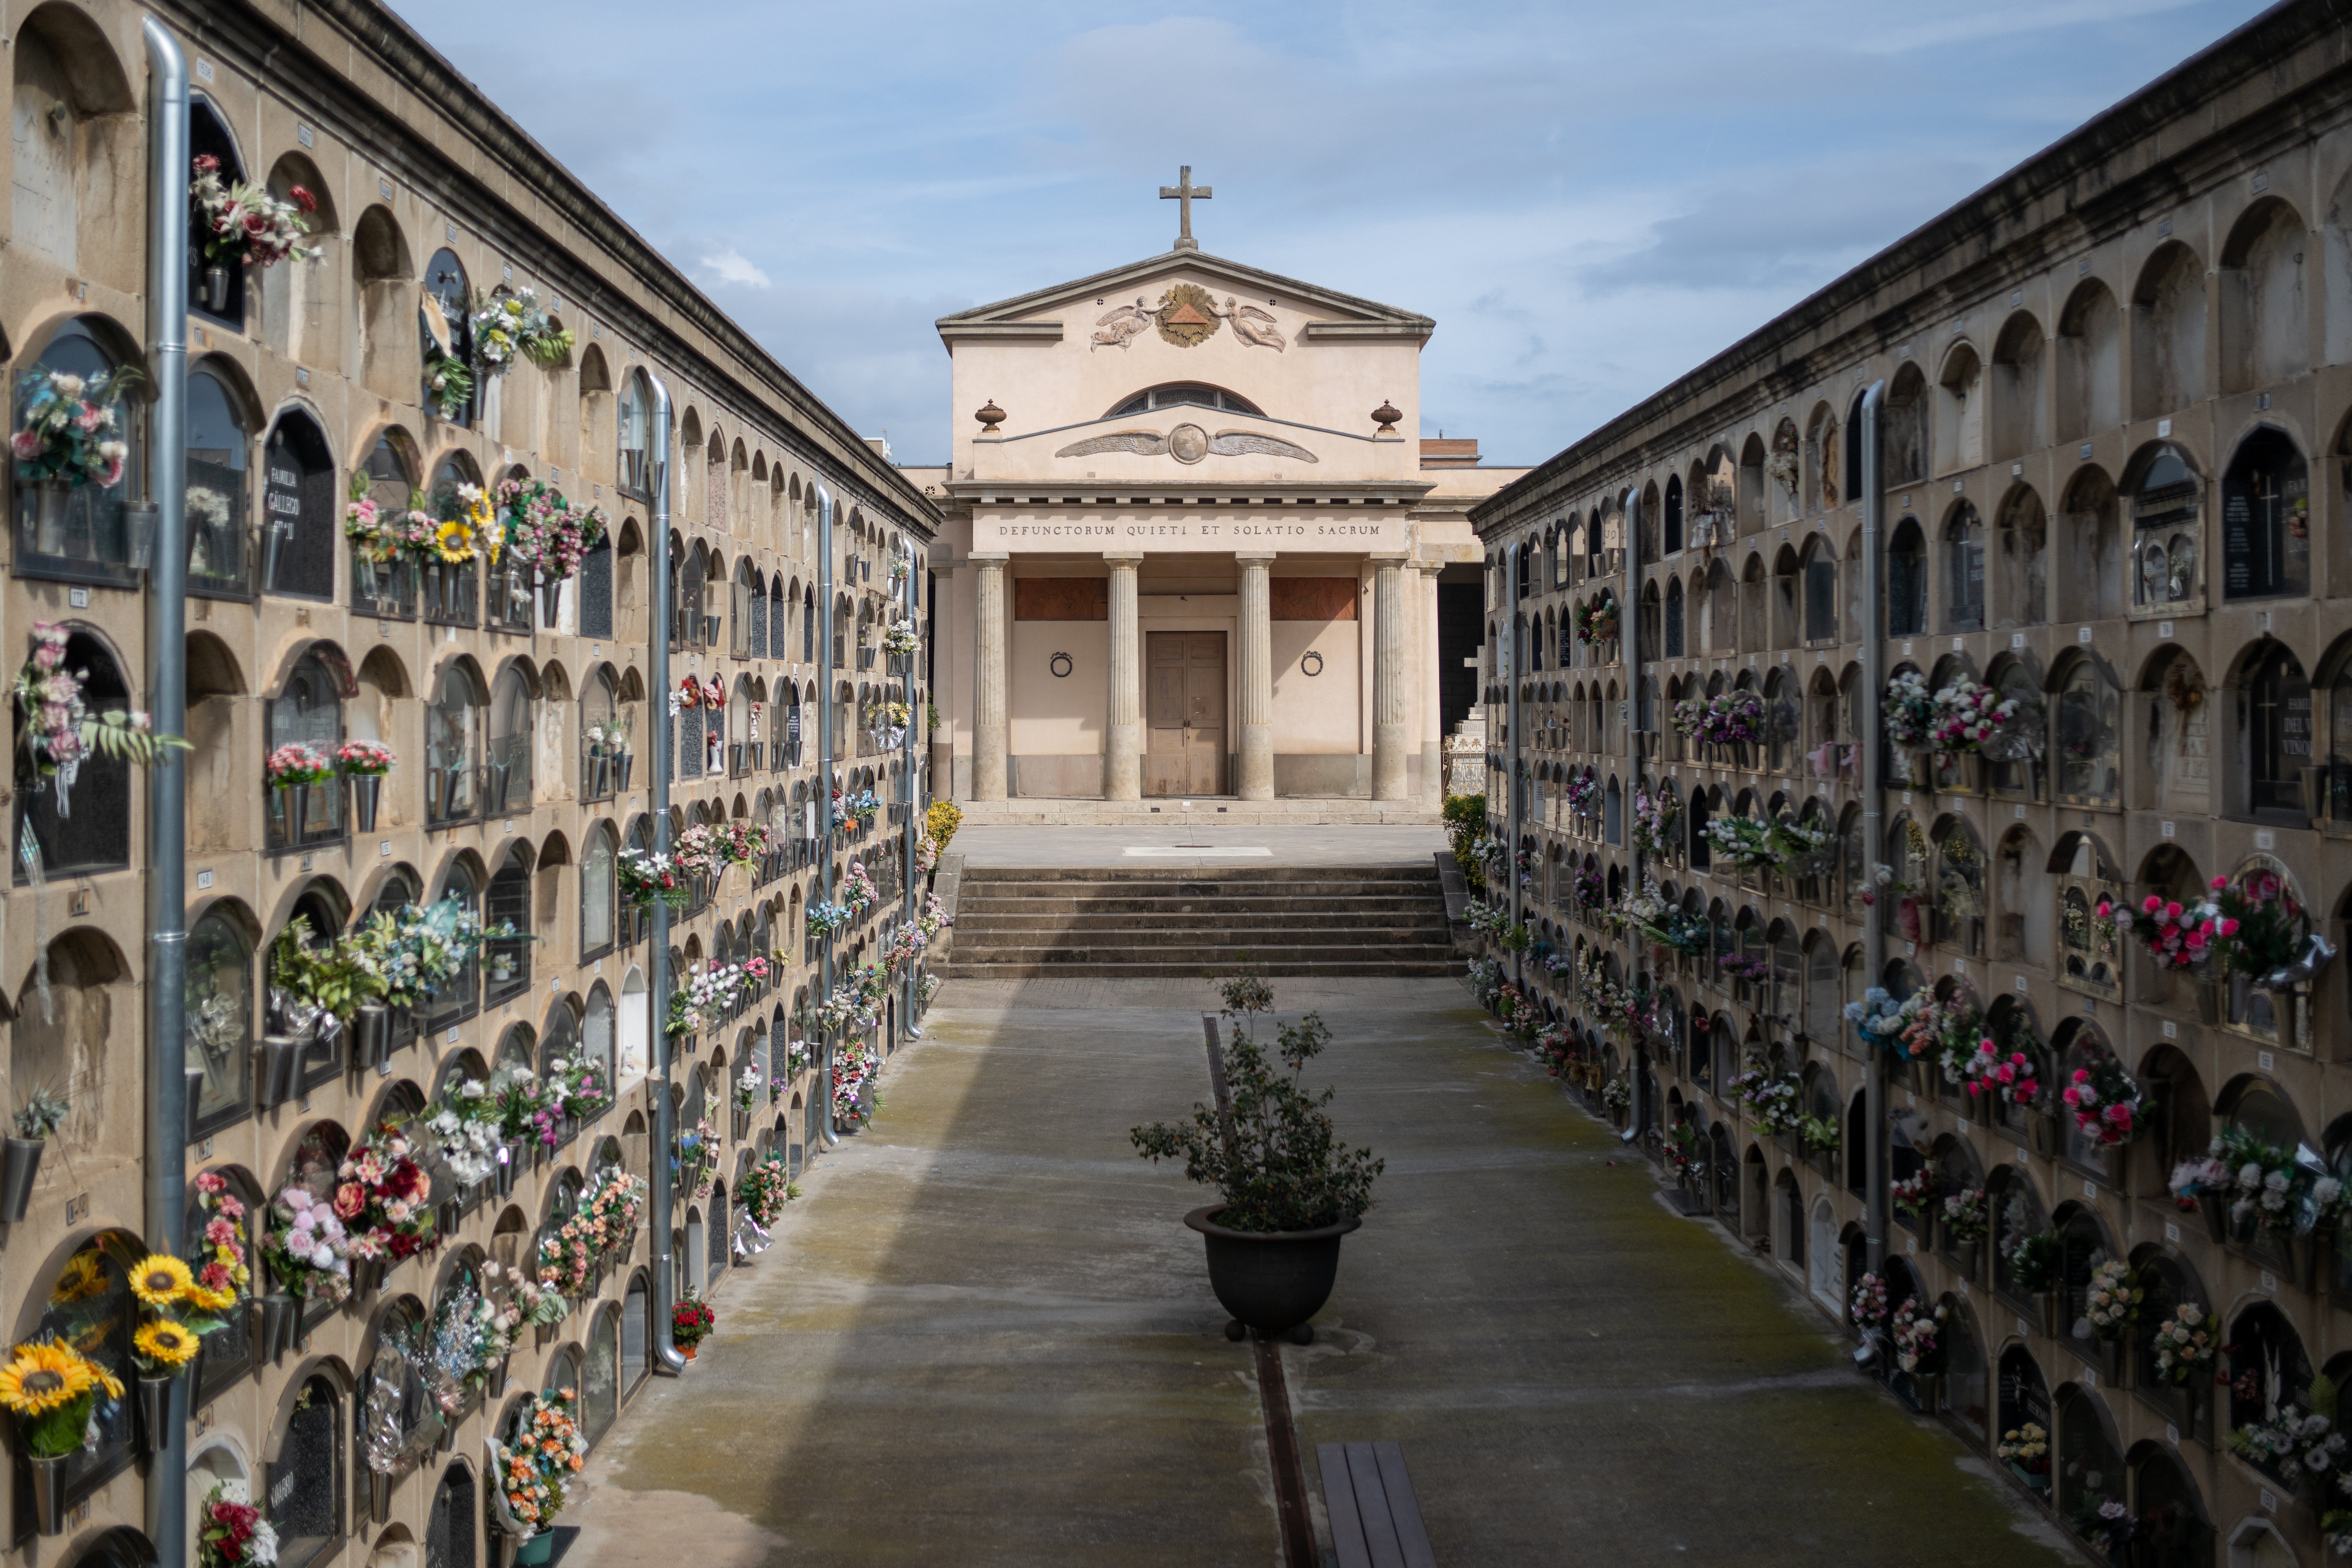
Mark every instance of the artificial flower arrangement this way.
pixel 52 1389
pixel 1617 1093
pixel 1587 889
pixel 1964 1215
pixel 642 876
pixel 507 325
pixel 695 1157
pixel 2297 1440
pixel 535 1474
pixel 703 1001
pixel 1868 1305
pixel 465 527
pixel 822 918
pixel 2027 1448
pixel 1907 710
pixel 1742 841
pixel 740 841
pixel 1584 795
pixel 2105 1100
pixel 565 1257
pixel 575 1089
pixel 2185 1346
pixel 60 732
pixel 1681 930
pixel 1597 621
pixel 179 1314
pixel 1655 817
pixel 1747 968
pixel 610 1210
pixel 1772 1096
pixel 364 759
pixel 2111 1301
pixel 1917 1333
pixel 382 1195
pixel 765 1190
pixel 857 889
pixel 224 1273
pixel 1881 1018
pixel 69 427
pixel 1728 718
pixel 2034 1259
pixel 2267 1186
pixel 2264 926
pixel 381 535
pixel 691 1320
pixel 1915 1195
pixel 900 638
pixel 544 530
pixel 296 765
pixel 238 223
pixel 853 1068
pixel 465 1131
pixel 2008 1076
pixel 410 953
pixel 309 1249
pixel 2176 936
pixel 1818 1134
pixel 1686 1149
pixel 1965 715
pixel 230 1531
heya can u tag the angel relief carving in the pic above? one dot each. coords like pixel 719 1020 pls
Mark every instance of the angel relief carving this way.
pixel 1188 443
pixel 1186 316
pixel 1253 325
pixel 1122 326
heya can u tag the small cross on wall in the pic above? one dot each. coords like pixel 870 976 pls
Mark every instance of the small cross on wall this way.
pixel 1184 192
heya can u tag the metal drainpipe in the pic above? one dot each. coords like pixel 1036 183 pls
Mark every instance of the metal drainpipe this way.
pixel 1873 680
pixel 907 793
pixel 1512 657
pixel 668 1361
pixel 167 701
pixel 1630 628
pixel 825 1130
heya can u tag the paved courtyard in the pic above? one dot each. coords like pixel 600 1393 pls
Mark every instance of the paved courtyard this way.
pixel 983 1337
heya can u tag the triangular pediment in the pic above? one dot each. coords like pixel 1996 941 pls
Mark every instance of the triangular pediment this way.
pixel 1322 304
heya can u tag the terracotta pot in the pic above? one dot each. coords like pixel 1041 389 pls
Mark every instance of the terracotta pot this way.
pixel 687 1350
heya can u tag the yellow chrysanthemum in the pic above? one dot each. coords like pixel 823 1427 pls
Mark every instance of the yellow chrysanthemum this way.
pixel 159 1280
pixel 454 543
pixel 204 1300
pixel 166 1344
pixel 43 1376
pixel 84 1275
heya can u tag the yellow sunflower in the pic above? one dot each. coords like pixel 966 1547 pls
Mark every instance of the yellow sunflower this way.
pixel 159 1280
pixel 204 1300
pixel 166 1344
pixel 454 543
pixel 43 1376
pixel 84 1275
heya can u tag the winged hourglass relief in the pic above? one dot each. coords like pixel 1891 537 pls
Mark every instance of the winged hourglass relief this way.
pixel 1188 443
pixel 1186 316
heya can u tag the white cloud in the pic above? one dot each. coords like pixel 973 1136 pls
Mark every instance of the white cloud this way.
pixel 730 265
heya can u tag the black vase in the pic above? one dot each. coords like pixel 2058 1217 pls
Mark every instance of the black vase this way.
pixel 23 1163
pixel 1272 1282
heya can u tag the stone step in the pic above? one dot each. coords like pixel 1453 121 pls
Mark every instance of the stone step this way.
pixel 1430 922
pixel 1193 972
pixel 971 908
pixel 1209 876
pixel 1226 954
pixel 1205 811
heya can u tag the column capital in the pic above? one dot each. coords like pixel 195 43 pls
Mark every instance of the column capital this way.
pixel 1255 554
pixel 1123 557
pixel 993 558
pixel 1390 557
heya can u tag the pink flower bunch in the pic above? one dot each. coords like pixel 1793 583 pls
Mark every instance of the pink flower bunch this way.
pixel 240 223
pixel 2012 1077
pixel 2104 1100
pixel 297 763
pixel 2177 935
pixel 1964 715
pixel 363 758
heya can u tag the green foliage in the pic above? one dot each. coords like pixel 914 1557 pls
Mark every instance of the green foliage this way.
pixel 1466 829
pixel 42 1113
pixel 336 978
pixel 2035 1264
pixel 1276 1157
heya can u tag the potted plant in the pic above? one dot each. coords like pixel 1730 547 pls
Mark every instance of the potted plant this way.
pixel 690 1322
pixel 37 1121
pixel 364 763
pixel 50 1387
pixel 289 772
pixel 68 433
pixel 1290 1189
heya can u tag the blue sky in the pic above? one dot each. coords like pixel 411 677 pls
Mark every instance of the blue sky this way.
pixel 1589 199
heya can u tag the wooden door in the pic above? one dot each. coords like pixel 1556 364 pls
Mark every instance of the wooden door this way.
pixel 1184 692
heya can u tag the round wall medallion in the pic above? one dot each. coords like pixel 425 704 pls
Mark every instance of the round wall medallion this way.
pixel 1311 662
pixel 1188 443
pixel 1060 665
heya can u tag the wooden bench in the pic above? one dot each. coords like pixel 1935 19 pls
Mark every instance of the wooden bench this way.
pixel 1375 1519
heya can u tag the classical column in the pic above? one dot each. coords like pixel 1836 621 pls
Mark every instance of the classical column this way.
pixel 1433 701
pixel 1123 731
pixel 1392 724
pixel 989 730
pixel 1256 683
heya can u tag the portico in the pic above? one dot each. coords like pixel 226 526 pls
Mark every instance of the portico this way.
pixel 1189 547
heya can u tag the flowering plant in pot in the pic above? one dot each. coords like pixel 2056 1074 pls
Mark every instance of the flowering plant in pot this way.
pixel 52 1388
pixel 690 1322
pixel 1290 1189
pixel 230 1531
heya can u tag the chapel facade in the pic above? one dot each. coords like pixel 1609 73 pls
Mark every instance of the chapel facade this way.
pixel 522 717
pixel 2116 469
pixel 1190 547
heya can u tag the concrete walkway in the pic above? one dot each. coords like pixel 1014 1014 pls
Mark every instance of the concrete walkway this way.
pixel 984 1338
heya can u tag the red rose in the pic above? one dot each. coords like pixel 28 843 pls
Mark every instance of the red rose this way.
pixel 207 164
pixel 302 198
pixel 256 224
pixel 350 1199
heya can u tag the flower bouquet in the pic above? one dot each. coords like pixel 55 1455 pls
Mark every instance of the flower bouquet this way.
pixel 2033 1258
pixel 238 223
pixel 2110 1302
pixel 2177 935
pixel 69 429
pixel 1743 841
pixel 363 758
pixel 565 1257
pixel 308 1250
pixel 2026 1450
pixel 2187 1348
pixel 1655 817
pixel 2293 1442
pixel 535 1474
pixel 1965 715
pixel 1964 1215
pixel 507 325
pixel 1728 718
pixel 230 1531
pixel 900 638
pixel 463 1129
pixel 2008 1076
pixel 223 1275
pixel 1818 1134
pixel 1915 1195
pixel 2263 925
pixel 2105 1100
pixel 610 1210
pixel 52 1388
pixel 1907 710
pixel 58 733
pixel 383 1195
pixel 1597 621
pixel 1917 1333
pixel 765 1190
pixel 1868 1306
pixel 293 766
pixel 1772 1098
pixel 643 876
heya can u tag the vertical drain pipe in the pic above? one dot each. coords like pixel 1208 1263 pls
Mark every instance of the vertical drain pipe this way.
pixel 167 700
pixel 907 831
pixel 1867 703
pixel 664 620
pixel 825 1130
pixel 1629 631
pixel 1514 657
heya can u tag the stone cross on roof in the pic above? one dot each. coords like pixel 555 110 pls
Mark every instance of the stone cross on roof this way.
pixel 1184 191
